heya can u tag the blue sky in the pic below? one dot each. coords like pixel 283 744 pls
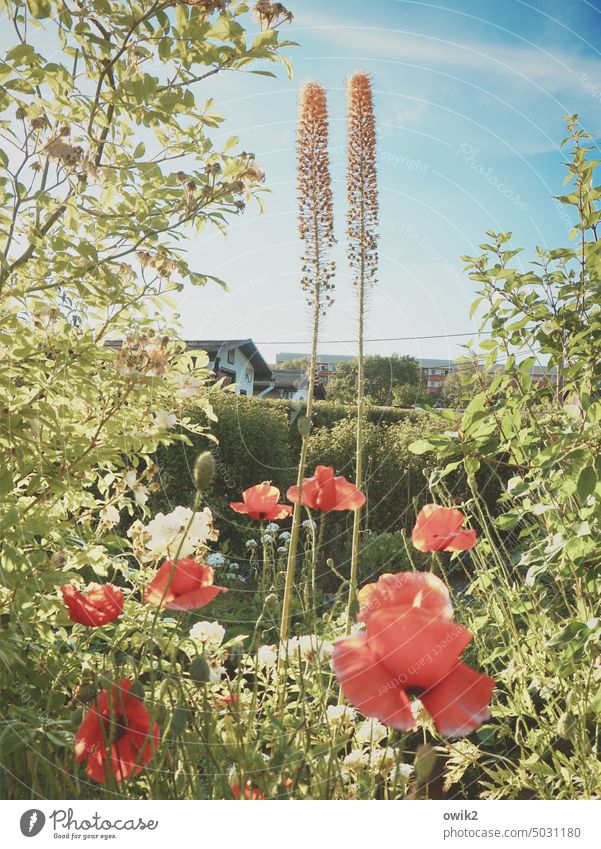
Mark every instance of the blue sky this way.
pixel 469 99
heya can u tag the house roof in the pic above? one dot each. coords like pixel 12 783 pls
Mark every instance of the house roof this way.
pixel 219 347
pixel 285 379
pixel 429 363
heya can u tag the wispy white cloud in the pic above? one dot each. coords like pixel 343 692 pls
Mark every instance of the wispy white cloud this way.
pixel 552 71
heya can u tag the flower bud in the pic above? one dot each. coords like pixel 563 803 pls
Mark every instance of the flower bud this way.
pixel 200 671
pixel 180 719
pixel 137 691
pixel 425 761
pixel 204 471
pixel 304 425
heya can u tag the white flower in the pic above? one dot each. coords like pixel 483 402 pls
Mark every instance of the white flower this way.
pixel 188 387
pixel 307 648
pixel 340 715
pixel 267 656
pixel 267 538
pixel 402 772
pixel 140 494
pixel 417 709
pixel 309 524
pixel 282 549
pixel 272 528
pixel 285 535
pixel 356 759
pixel 216 673
pixel 109 515
pixel 167 532
pixel 210 633
pixel 384 758
pixel 370 731
pixel 216 559
pixel 164 420
pixel 139 490
pixel 251 543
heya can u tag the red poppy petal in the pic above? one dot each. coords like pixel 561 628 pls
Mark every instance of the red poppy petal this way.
pixel 368 685
pixel 188 574
pixel 309 496
pixel 410 589
pixel 240 507
pixel 459 703
pixel 433 525
pixel 416 647
pixel 198 597
pixel 280 511
pixel 96 766
pixel 461 541
pixel 348 497
pixel 124 758
pixel 88 737
pixel 156 591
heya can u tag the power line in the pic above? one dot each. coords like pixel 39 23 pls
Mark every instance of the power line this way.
pixel 381 339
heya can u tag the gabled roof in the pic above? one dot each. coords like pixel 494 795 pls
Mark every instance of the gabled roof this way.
pixel 220 347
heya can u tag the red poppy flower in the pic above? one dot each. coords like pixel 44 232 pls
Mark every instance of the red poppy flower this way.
pixel 323 491
pixel 439 529
pixel 183 585
pixel 261 502
pixel 116 735
pixel 250 791
pixel 102 604
pixel 411 646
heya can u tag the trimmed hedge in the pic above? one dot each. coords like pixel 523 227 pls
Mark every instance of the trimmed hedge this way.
pixel 258 440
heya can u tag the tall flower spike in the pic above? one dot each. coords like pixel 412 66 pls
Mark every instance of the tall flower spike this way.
pixel 315 206
pixel 362 225
pixel 316 229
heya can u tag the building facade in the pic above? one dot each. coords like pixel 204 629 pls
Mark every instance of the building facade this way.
pixel 238 362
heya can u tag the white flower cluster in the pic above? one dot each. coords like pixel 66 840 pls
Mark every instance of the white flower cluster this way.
pixel 180 533
pixel 216 559
pixel 369 755
pixel 306 648
pixel 211 634
pixel 339 716
pixel 140 492
pixel 309 647
pixel 109 516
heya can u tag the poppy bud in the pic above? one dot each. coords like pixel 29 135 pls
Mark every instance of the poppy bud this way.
pixel 566 725
pixel 204 471
pixel 137 690
pixel 200 671
pixel 271 600
pixel 20 113
pixel 304 425
pixel 180 719
pixel 425 761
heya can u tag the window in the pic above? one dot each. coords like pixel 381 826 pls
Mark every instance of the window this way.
pixel 231 356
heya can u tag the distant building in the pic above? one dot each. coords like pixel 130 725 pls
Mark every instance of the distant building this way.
pixel 326 363
pixel 292 384
pixel 236 361
pixel 434 372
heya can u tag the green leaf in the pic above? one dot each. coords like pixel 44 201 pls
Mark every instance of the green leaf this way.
pixel 587 480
